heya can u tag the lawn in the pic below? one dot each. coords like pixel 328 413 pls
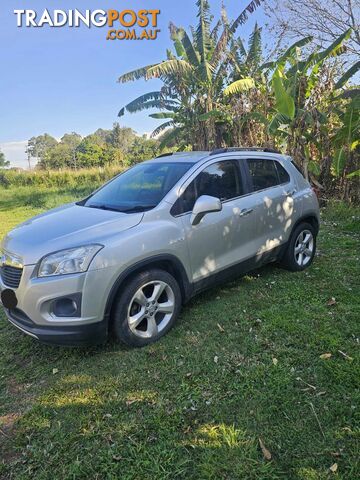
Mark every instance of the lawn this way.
pixel 245 362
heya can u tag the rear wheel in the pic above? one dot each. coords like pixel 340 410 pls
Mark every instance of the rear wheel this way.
pixel 147 308
pixel 301 248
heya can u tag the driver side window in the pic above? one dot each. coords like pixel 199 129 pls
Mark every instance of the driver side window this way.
pixel 220 180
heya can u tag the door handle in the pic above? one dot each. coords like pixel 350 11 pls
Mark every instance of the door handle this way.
pixel 245 212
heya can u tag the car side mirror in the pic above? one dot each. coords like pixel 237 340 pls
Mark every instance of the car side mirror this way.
pixel 203 205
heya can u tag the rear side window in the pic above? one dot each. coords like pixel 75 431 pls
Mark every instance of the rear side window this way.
pixel 298 168
pixel 266 173
pixel 221 180
pixel 283 174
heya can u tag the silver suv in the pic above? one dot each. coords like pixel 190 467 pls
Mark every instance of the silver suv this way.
pixel 128 256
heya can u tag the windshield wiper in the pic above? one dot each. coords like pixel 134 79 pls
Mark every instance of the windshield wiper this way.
pixel 105 207
pixel 138 208
pixel 134 209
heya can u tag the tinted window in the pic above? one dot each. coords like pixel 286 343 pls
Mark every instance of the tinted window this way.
pixel 221 180
pixel 283 174
pixel 139 188
pixel 263 173
pixel 297 168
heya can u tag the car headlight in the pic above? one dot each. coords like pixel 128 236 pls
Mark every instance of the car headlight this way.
pixel 71 260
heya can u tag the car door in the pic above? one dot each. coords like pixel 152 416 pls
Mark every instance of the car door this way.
pixel 274 206
pixel 222 238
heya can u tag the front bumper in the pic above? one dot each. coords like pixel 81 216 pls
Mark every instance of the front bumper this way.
pixel 35 296
pixel 74 335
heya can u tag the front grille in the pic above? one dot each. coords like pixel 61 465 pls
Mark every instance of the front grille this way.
pixel 11 276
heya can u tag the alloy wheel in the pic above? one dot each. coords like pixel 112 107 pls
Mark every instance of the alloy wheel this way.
pixel 151 309
pixel 304 248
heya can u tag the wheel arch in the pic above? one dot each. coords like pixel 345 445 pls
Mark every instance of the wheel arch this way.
pixel 166 262
pixel 311 219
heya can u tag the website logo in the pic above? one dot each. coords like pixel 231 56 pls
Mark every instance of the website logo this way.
pixel 123 25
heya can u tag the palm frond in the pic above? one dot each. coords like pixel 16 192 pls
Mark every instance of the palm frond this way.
pixel 214 34
pixel 161 128
pixel 240 86
pixel 289 53
pixel 169 67
pixel 138 104
pixel 221 47
pixel 279 120
pixel 238 49
pixel 162 115
pixel 203 42
pixel 336 47
pixel 285 103
pixel 241 19
pixel 188 47
pixel 174 35
pixel 161 104
pixel 254 55
pixel 347 75
pixel 135 74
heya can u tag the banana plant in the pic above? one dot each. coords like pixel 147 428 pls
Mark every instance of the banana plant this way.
pixel 346 140
pixel 194 75
pixel 294 116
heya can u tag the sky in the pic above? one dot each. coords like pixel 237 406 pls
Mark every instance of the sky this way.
pixel 59 80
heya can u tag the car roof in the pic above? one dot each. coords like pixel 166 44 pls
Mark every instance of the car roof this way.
pixel 197 156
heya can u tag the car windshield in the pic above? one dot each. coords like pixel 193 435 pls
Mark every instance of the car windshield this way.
pixel 138 189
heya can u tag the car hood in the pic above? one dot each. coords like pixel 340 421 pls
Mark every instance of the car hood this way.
pixel 65 227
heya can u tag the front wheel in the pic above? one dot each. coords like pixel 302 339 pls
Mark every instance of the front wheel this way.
pixel 301 248
pixel 147 308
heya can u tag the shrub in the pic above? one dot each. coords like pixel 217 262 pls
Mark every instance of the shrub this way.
pixel 59 179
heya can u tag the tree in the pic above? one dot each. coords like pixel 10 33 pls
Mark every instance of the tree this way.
pixel 324 20
pixel 58 157
pixel 142 149
pixel 3 162
pixel 193 80
pixel 121 137
pixel 38 146
pixel 72 141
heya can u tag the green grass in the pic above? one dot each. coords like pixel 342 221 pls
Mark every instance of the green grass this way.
pixel 243 363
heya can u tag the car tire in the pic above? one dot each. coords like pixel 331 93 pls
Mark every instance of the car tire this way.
pixel 146 308
pixel 301 248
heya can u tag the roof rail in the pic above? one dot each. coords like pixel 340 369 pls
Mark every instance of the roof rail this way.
pixel 243 149
pixel 165 155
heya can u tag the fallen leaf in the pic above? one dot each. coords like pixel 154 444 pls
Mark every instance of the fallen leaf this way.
pixel 55 370
pixel 130 402
pixel 265 451
pixel 325 356
pixel 216 359
pixel 220 328
pixel 345 355
pixel 331 301
pixel 334 468
pixel 117 458
pixel 275 361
